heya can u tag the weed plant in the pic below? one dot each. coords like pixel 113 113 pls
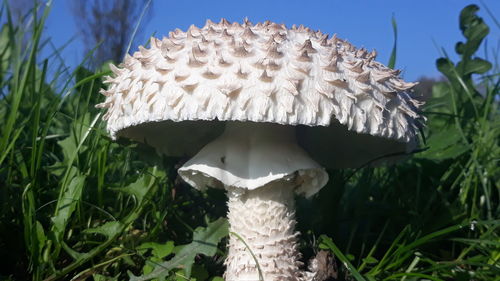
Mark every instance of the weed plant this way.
pixel 76 205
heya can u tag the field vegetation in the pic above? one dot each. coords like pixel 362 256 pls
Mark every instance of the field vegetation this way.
pixel 76 205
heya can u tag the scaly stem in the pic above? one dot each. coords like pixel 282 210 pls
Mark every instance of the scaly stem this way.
pixel 264 218
pixel 261 166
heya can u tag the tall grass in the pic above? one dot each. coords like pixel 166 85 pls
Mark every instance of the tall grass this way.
pixel 76 205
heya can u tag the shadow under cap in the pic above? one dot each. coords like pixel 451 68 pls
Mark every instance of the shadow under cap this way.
pixel 333 146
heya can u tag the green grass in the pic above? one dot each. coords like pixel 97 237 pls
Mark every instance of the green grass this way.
pixel 75 204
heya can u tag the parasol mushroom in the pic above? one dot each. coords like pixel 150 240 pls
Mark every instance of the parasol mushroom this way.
pixel 254 105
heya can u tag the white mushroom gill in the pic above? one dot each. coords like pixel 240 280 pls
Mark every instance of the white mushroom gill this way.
pixel 261 167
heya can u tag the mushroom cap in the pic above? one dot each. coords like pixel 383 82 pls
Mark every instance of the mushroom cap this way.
pixel 174 94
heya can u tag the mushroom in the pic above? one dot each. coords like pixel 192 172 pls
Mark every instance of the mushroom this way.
pixel 255 104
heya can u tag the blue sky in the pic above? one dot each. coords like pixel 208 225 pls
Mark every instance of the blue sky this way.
pixel 422 24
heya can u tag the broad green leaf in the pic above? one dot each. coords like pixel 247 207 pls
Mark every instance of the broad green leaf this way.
pixel 440 90
pixel 473 28
pixel 443 139
pixel 159 250
pixel 67 204
pixel 99 277
pixel 199 273
pixel 205 240
pixel 72 253
pixel 149 264
pixel 460 48
pixel 40 236
pixel 449 152
pixel 71 144
pixel 445 66
pixel 108 229
pixel 68 146
pixel 443 145
pixel 139 189
pixel 440 103
pixel 474 66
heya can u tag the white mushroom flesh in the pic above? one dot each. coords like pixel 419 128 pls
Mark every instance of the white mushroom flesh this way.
pixel 261 167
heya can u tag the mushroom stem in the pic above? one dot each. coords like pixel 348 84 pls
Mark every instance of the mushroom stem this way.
pixel 263 221
pixel 261 166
